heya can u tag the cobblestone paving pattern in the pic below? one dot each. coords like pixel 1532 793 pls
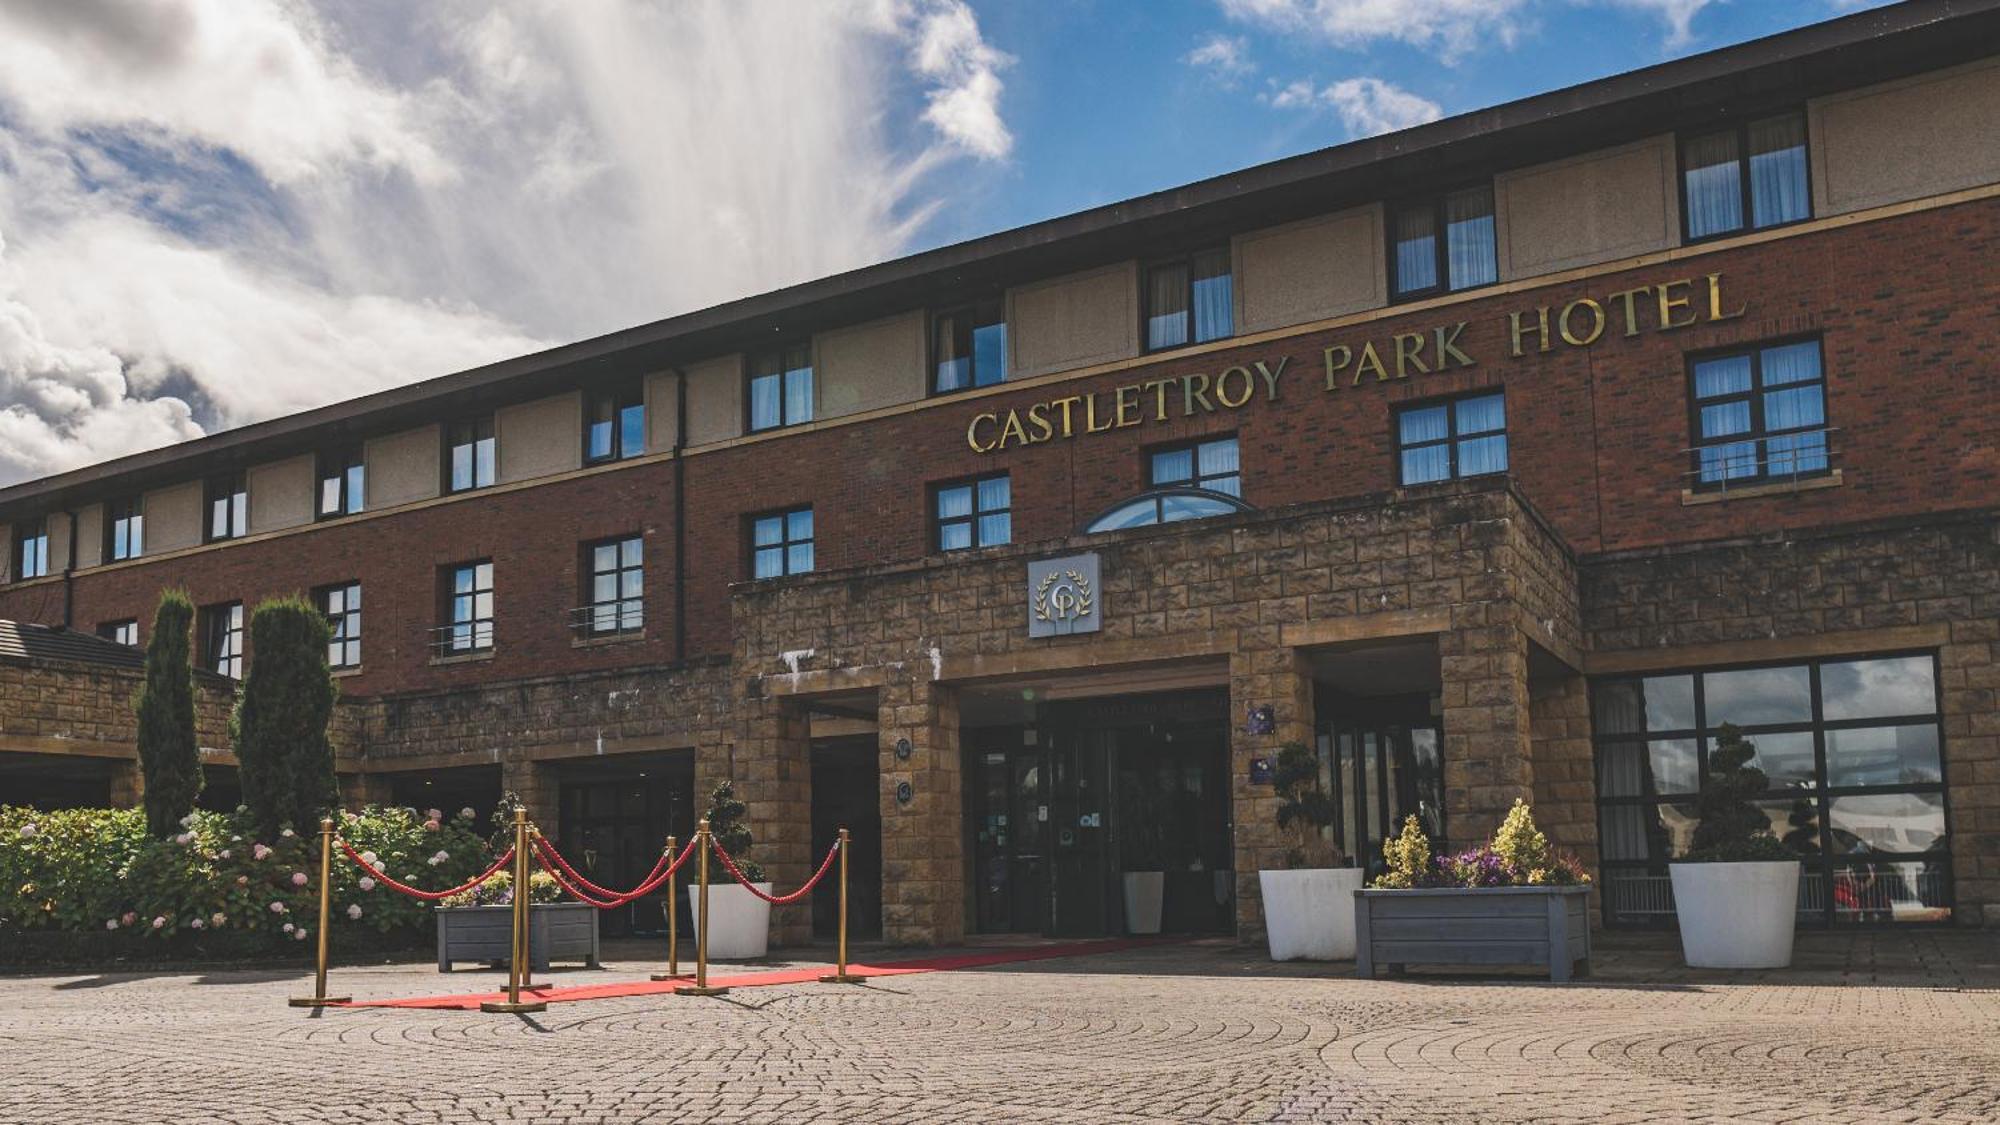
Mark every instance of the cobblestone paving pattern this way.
pixel 1889 1029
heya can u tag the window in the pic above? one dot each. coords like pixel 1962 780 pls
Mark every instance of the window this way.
pixel 975 513
pixel 1464 258
pixel 469 461
pixel 1165 505
pixel 342 606
pixel 343 480
pixel 124 529
pixel 970 346
pixel 1759 415
pixel 781 388
pixel 122 632
pixel 222 639
pixel 614 426
pixel 228 508
pixel 31 550
pixel 615 601
pixel 468 610
pixel 1719 186
pixel 782 543
pixel 1466 437
pixel 1189 301
pixel 1211 465
pixel 1852 749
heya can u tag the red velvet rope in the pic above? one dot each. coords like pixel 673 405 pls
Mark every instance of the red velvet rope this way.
pixel 542 843
pixel 427 896
pixel 775 900
pixel 558 868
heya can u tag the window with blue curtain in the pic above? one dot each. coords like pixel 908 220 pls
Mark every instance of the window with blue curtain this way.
pixel 1759 415
pixel 1445 243
pixel 781 387
pixel 1464 437
pixel 1748 177
pixel 975 513
pixel 781 543
pixel 1189 300
pixel 1213 465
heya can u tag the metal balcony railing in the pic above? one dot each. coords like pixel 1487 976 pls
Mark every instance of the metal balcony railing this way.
pixel 463 638
pixel 622 617
pixel 1718 466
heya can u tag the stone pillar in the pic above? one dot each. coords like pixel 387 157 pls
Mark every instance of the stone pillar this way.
pixel 772 769
pixel 1486 723
pixel 1969 679
pixel 128 785
pixel 924 877
pixel 1277 678
pixel 535 783
pixel 1564 769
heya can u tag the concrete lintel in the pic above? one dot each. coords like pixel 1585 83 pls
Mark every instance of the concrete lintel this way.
pixel 1366 627
pixel 1093 656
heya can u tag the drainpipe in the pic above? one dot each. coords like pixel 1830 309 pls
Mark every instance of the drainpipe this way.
pixel 680 515
pixel 69 575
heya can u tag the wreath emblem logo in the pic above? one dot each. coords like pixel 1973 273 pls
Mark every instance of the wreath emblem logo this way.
pixel 1064 597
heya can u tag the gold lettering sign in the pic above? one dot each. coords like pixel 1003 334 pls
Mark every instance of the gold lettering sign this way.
pixel 1661 307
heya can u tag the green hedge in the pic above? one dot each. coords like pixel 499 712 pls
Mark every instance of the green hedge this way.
pixel 218 885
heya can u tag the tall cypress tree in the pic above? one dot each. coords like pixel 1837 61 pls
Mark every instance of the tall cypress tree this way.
pixel 169 757
pixel 280 726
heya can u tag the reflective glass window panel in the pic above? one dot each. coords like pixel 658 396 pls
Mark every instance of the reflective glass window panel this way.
pixel 781 388
pixel 1462 438
pixel 1212 301
pixel 125 530
pixel 974 514
pixel 1167 300
pixel 617 587
pixel 1786 757
pixel 472 454
pixel 1427 464
pixel 1470 255
pixel 31 551
pixel 1189 300
pixel 1795 823
pixel 228 508
pixel 1873 689
pixel 470 628
pixel 342 607
pixel 1712 180
pixel 1416 249
pixel 1137 513
pixel 1173 466
pixel 223 639
pixel 782 543
pixel 1725 375
pixel 1756 696
pixel 1646 769
pixel 342 483
pixel 615 424
pixel 122 632
pixel 1174 508
pixel 1778 192
pixel 1897 823
pixel 1899 755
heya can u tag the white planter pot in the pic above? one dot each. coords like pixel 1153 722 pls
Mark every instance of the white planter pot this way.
pixel 1142 901
pixel 1736 915
pixel 741 928
pixel 1309 914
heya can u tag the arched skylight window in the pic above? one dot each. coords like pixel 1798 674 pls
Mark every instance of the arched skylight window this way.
pixel 1166 505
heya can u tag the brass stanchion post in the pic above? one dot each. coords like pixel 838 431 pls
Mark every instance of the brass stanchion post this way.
pixel 700 986
pixel 517 965
pixel 319 998
pixel 673 920
pixel 840 974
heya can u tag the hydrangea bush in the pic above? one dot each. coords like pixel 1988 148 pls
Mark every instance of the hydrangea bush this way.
pixel 1519 856
pixel 97 870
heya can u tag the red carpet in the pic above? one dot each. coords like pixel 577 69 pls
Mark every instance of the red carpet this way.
pixel 972 959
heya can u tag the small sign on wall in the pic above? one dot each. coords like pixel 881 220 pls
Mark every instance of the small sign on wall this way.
pixel 1262 719
pixel 1260 771
pixel 1063 596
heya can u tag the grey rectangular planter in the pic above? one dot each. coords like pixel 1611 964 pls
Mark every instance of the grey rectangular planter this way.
pixel 564 931
pixel 1547 926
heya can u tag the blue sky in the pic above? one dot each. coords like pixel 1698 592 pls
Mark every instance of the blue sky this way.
pixel 214 212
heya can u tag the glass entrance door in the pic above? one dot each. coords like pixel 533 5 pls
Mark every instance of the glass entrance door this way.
pixel 1382 762
pixel 1010 814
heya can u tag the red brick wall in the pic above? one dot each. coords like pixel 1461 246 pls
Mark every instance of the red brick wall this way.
pixel 1909 309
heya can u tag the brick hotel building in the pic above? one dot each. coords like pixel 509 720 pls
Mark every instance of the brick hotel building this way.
pixel 1506 456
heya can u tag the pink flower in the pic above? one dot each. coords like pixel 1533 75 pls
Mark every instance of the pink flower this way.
pixel 111 923
pixel 467 813
pixel 300 933
pixel 159 922
pixel 29 830
pixel 277 908
pixel 366 884
pixel 431 825
pixel 260 852
pixel 434 814
pixel 184 839
pixel 198 924
pixel 223 854
pixel 299 879
pixel 289 927
pixel 288 833
pixel 129 918
pixel 354 912
pixel 369 859
pixel 243 880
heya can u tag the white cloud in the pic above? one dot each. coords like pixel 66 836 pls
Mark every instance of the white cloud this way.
pixel 1451 28
pixel 214 213
pixel 1224 57
pixel 1367 106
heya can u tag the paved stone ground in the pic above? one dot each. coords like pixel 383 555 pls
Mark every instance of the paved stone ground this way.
pixel 1866 1028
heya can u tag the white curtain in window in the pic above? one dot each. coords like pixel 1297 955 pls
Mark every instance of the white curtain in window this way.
pixel 1214 314
pixel 1416 249
pixel 1472 258
pixel 1714 190
pixel 1778 171
pixel 1791 363
pixel 1482 415
pixel 1427 424
pixel 1166 307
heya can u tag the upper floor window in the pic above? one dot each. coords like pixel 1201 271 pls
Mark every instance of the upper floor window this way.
pixel 970 346
pixel 222 639
pixel 470 456
pixel 343 480
pixel 782 543
pixel 31 550
pixel 1465 437
pixel 1212 465
pixel 974 513
pixel 1189 300
pixel 615 600
pixel 342 606
pixel 781 387
pixel 1444 244
pixel 1759 414
pixel 124 529
pixel 228 508
pixel 615 424
pixel 468 609
pixel 124 632
pixel 1747 177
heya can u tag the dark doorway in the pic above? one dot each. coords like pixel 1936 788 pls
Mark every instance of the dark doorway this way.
pixel 449 791
pixel 616 815
pixel 56 781
pixel 847 793
pixel 1381 760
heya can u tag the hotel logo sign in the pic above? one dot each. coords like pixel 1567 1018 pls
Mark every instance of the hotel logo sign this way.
pixel 1063 596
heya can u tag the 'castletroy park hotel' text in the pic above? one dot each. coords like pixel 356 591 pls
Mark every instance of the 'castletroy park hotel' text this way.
pixel 1661 307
